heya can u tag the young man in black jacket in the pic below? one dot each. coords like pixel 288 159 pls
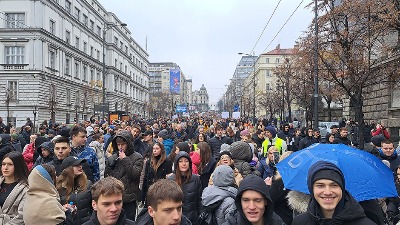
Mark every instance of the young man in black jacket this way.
pixel 330 202
pixel 254 204
pixel 107 203
pixel 164 200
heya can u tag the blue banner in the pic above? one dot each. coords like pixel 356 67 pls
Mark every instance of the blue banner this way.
pixel 181 108
pixel 175 81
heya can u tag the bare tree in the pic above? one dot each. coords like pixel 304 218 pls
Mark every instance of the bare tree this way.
pixel 271 101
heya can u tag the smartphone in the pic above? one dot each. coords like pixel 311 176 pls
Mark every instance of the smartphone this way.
pixel 276 157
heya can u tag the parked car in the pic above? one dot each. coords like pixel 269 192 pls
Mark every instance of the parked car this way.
pixel 325 127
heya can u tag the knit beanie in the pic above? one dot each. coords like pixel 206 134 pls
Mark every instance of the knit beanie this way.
pixel 241 150
pixel 272 130
pixel 223 176
pixel 163 134
pixel 228 153
pixel 325 170
pixel 225 147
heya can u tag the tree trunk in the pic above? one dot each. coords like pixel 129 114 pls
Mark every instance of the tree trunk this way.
pixel 359 117
pixel 329 110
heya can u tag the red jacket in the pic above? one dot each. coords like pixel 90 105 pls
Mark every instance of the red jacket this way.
pixel 195 157
pixel 381 131
pixel 28 155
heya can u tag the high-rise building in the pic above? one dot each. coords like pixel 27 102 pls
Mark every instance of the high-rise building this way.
pixel 52 63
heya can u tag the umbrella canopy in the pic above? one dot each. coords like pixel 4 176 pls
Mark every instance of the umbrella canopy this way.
pixel 366 177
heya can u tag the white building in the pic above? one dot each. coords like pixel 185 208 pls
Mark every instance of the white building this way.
pixel 51 60
pixel 200 100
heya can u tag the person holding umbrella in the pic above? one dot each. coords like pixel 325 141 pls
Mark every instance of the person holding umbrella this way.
pixel 330 202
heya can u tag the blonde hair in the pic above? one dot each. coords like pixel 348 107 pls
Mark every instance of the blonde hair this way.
pixel 271 149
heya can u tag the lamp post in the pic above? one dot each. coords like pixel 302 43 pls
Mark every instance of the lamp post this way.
pixel 254 85
pixel 316 67
pixel 105 28
pixel 34 119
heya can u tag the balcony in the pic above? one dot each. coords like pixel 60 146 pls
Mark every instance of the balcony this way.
pixel 14 67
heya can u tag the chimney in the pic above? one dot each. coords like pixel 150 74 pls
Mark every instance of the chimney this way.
pixel 278 47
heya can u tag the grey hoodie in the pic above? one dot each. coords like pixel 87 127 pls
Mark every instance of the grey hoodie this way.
pixel 224 197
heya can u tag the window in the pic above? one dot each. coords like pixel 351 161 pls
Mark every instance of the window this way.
pixel 77 97
pixel 14 54
pixel 268 87
pixel 84 47
pixel 268 73
pixel 98 54
pixel 116 63
pixel 68 97
pixel 126 49
pixel 120 66
pixel 99 30
pixel 67 36
pixel 121 45
pixel 85 20
pixel 68 6
pixel 12 90
pixel 277 60
pixel 52 58
pixel 77 70
pixel 92 25
pixel 91 51
pixel 98 76
pixel 15 20
pixel 115 40
pixel 67 65
pixel 77 13
pixel 77 42
pixel 84 78
pixel 52 26
pixel 91 75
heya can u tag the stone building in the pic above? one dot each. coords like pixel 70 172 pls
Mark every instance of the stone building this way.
pixel 52 65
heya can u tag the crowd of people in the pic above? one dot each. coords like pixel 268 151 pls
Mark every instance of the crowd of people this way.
pixel 179 171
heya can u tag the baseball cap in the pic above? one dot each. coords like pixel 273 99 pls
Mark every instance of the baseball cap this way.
pixel 71 161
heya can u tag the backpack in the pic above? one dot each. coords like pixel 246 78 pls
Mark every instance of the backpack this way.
pixel 207 217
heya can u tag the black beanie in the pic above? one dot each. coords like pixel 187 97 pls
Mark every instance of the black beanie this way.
pixel 329 175
pixel 228 153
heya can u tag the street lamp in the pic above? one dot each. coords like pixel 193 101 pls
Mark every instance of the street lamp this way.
pixel 105 28
pixel 254 85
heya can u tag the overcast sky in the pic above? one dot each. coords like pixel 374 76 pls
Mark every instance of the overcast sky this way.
pixel 204 36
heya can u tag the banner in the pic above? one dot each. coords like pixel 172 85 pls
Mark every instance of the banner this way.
pixel 236 115
pixel 181 108
pixel 225 115
pixel 174 81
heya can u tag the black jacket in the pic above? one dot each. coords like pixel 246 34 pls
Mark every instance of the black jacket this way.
pixel 351 214
pixel 128 169
pixel 278 196
pixel 144 218
pixel 151 176
pixel 342 140
pixel 122 220
pixel 82 200
pixel 192 191
pixel 207 172
pixel 252 182
pixel 307 141
pixel 215 144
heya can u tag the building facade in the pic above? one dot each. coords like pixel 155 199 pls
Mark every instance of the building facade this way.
pixel 234 93
pixel 200 101
pixel 165 94
pixel 59 55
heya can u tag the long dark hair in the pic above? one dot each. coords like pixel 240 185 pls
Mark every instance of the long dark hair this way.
pixel 157 163
pixel 205 155
pixel 178 173
pixel 69 182
pixel 21 171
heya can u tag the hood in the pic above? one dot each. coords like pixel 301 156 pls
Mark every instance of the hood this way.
pixel 39 141
pixel 46 145
pixel 5 139
pixel 127 136
pixel 298 201
pixel 255 183
pixel 180 155
pixel 213 194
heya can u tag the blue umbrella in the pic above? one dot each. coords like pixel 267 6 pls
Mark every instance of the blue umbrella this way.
pixel 366 177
